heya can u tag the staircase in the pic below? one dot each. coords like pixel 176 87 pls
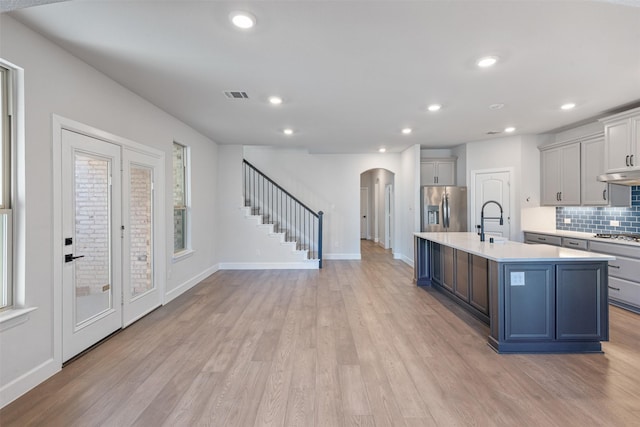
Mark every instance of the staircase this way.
pixel 282 215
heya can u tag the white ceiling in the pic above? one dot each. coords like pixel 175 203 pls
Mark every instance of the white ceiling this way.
pixel 354 73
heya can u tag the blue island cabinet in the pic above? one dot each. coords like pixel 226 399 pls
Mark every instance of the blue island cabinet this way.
pixel 550 306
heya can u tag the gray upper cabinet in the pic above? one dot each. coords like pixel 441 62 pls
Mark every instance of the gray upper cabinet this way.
pixel 569 172
pixel 622 141
pixel 561 175
pixel 438 171
pixel 594 192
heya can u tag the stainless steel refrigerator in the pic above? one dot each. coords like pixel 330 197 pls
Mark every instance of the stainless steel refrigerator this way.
pixel 443 209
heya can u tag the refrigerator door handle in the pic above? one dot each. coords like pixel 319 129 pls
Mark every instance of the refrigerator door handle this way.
pixel 445 211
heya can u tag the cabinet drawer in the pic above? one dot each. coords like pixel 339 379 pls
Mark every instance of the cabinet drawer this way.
pixel 630 251
pixel 544 239
pixel 625 291
pixel 625 268
pixel 574 243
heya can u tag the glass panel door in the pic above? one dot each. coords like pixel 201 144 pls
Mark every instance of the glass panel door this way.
pixel 92 242
pixel 91 220
pixel 140 229
pixel 142 293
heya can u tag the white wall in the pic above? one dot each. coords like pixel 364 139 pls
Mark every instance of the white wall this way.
pixel 521 154
pixel 408 208
pixel 58 83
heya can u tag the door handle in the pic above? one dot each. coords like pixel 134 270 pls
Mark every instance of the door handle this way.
pixel 70 257
pixel 604 194
pixel 631 160
pixel 627 160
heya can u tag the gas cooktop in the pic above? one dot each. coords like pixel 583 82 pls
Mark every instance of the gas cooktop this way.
pixel 631 237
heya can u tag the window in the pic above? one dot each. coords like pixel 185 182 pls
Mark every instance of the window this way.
pixel 6 221
pixel 181 208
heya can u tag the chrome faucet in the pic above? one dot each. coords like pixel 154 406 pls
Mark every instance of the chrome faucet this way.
pixel 482 217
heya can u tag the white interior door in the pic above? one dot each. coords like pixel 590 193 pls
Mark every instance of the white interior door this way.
pixel 91 288
pixel 141 292
pixel 388 206
pixel 364 213
pixel 493 186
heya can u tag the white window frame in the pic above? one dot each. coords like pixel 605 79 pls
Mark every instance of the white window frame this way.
pixel 18 311
pixel 6 221
pixel 186 165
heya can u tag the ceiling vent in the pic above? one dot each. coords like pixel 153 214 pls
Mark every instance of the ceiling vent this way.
pixel 493 132
pixel 236 94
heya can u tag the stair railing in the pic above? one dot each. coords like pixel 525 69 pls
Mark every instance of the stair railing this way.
pixel 280 208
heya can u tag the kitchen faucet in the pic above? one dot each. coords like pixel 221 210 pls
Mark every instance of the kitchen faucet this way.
pixel 482 217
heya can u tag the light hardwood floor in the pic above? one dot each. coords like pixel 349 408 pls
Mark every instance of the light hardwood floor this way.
pixel 355 343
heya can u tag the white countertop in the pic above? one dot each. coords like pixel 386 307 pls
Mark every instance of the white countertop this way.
pixel 508 251
pixel 584 236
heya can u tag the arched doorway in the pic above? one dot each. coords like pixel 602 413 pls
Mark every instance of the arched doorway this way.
pixel 377 207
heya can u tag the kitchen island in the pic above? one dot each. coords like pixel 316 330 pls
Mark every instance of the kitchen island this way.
pixel 535 298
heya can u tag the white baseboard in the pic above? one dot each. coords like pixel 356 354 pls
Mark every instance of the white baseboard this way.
pixel 176 292
pixel 342 256
pixel 404 259
pixel 302 265
pixel 24 383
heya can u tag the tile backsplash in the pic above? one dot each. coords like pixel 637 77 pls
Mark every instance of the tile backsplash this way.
pixel 598 220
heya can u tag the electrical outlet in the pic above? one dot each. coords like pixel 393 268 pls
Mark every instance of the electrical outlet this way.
pixel 614 223
pixel 567 220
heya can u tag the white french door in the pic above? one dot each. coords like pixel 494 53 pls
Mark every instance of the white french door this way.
pixel 141 293
pixel 109 213
pixel 91 213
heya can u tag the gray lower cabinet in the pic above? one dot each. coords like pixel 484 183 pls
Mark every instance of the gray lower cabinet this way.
pixel 436 262
pixel 536 238
pixel 624 274
pixel 530 306
pixel 479 284
pixel 555 302
pixel 463 275
pixel 529 302
pixel 448 254
pixel 461 283
pixel 580 291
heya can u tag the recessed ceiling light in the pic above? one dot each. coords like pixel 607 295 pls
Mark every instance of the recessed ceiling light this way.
pixel 288 131
pixel 243 20
pixel 568 106
pixel 275 100
pixel 434 107
pixel 509 129
pixel 487 61
pixel 382 150
pixel 406 131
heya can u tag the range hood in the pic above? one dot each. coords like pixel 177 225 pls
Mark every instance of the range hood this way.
pixel 622 178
